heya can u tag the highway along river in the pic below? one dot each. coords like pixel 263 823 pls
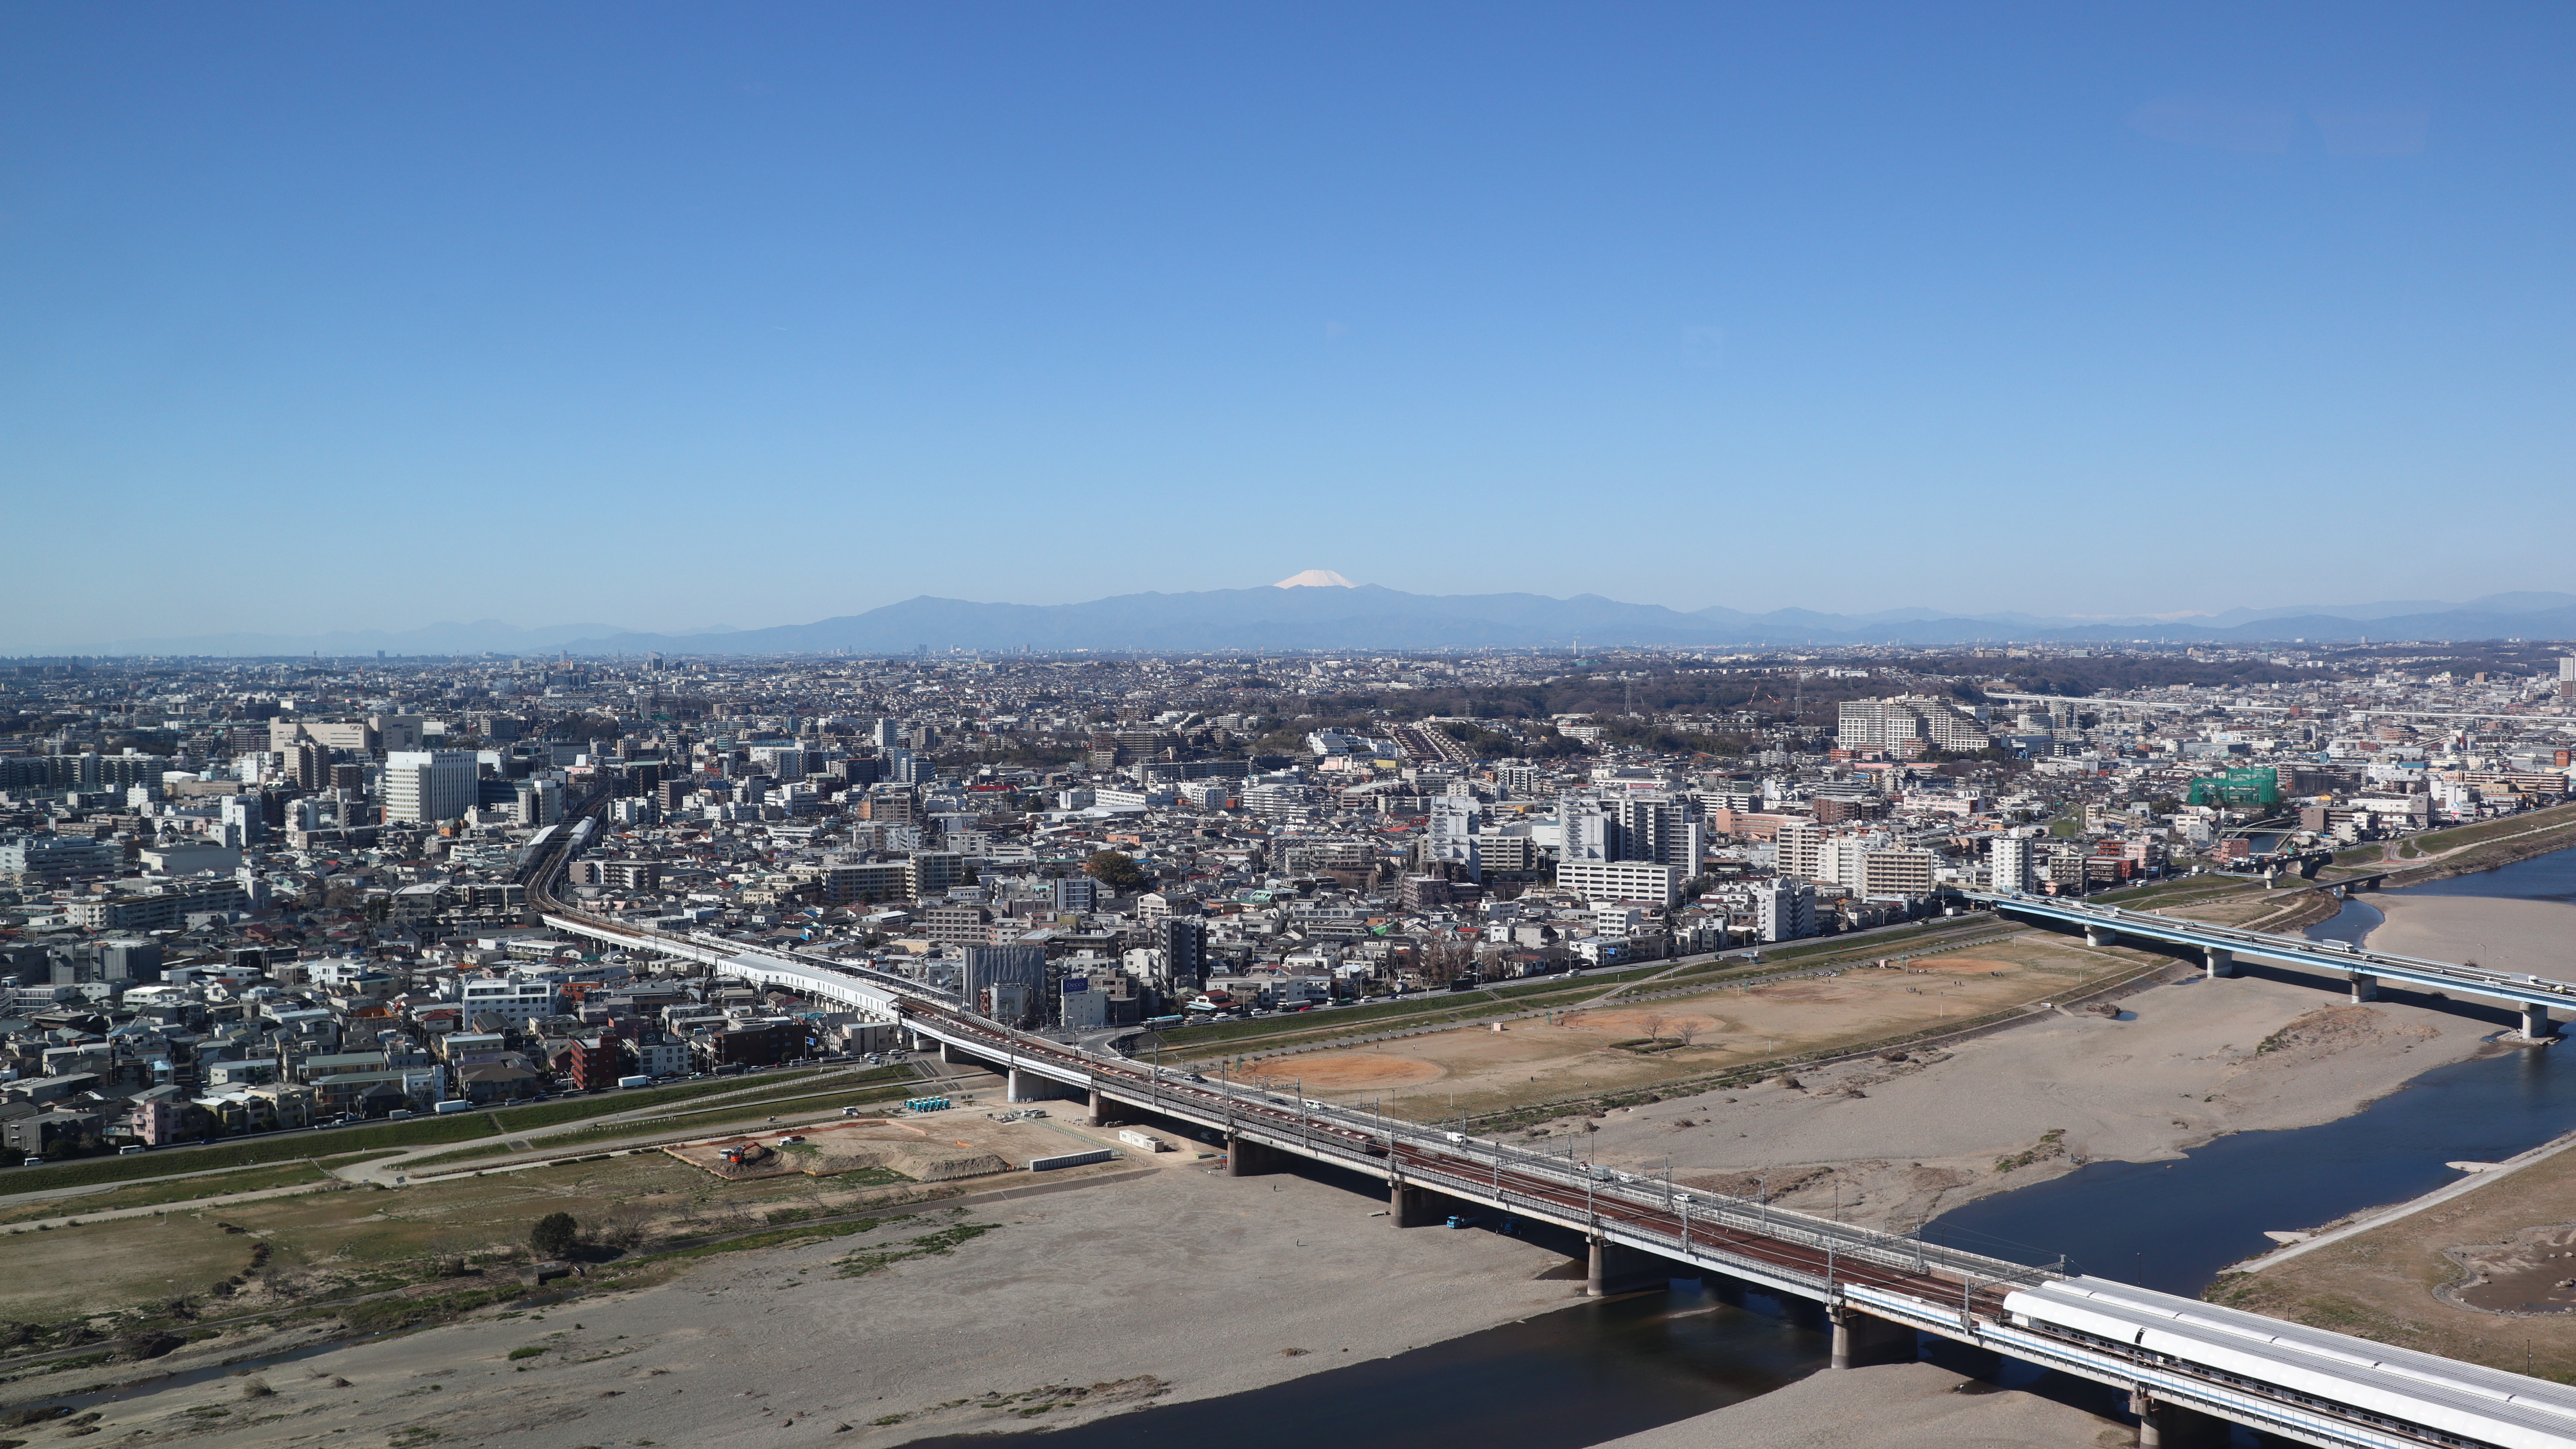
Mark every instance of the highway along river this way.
pixel 1597 1371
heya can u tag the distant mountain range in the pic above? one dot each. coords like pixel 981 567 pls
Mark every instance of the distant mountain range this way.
pixel 1341 616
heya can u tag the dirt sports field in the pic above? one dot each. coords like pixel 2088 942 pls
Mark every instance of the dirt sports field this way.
pixel 1624 1043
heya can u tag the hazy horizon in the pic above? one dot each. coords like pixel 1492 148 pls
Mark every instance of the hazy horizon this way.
pixel 487 632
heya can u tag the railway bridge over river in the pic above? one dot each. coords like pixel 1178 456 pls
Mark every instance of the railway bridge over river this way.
pixel 2221 947
pixel 2190 1368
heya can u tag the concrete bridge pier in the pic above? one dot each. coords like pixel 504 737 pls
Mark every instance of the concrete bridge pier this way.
pixel 947 1052
pixel 1860 1339
pixel 2536 1025
pixel 1408 1206
pixel 2171 1426
pixel 2096 936
pixel 1617 1269
pixel 2219 962
pixel 1023 1088
pixel 1104 1112
pixel 1248 1159
pixel 2365 987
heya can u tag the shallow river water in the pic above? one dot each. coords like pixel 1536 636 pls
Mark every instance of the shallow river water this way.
pixel 1601 1370
pixel 2173 1225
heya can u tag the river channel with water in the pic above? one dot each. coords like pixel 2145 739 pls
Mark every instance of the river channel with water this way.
pixel 1600 1370
pixel 2173 1226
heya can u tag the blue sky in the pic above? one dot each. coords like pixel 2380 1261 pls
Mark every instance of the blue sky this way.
pixel 668 316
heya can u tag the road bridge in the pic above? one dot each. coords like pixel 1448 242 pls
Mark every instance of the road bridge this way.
pixel 2221 947
pixel 1876 1290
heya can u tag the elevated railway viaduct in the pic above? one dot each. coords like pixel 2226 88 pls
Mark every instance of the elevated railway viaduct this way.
pixel 2190 1368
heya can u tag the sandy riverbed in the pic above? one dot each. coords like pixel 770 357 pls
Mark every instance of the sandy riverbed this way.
pixel 1894 1143
pixel 1914 1404
pixel 1183 1285
pixel 2509 935
pixel 1178 1284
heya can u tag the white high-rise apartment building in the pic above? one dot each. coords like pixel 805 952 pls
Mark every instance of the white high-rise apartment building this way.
pixel 1894 871
pixel 1868 867
pixel 540 802
pixel 2008 863
pixel 1838 860
pixel 427 786
pixel 1800 845
pixel 1588 829
pixel 1620 880
pixel 1660 828
pixel 1888 724
pixel 1456 821
pixel 1663 828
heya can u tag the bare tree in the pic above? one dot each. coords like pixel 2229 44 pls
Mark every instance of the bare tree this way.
pixel 1444 959
pixel 1688 1031
pixel 1654 1025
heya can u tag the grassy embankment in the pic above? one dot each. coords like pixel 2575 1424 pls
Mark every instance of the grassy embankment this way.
pixel 752 1112
pixel 2488 844
pixel 2182 890
pixel 388 1136
pixel 449 1249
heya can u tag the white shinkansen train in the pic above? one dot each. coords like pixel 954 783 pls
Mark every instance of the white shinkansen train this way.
pixel 2415 1395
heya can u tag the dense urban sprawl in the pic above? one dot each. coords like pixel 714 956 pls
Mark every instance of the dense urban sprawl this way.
pixel 242 896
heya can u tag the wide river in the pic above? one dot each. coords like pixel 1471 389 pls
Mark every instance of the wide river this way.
pixel 2174 1225
pixel 1600 1370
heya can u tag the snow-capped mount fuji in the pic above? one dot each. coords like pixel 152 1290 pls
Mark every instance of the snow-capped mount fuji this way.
pixel 1320 609
pixel 1305 612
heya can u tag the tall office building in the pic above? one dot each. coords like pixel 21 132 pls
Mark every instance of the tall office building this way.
pixel 244 820
pixel 428 786
pixel 1184 944
pixel 540 802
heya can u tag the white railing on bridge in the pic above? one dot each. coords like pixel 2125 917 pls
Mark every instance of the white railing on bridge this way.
pixel 2506 985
